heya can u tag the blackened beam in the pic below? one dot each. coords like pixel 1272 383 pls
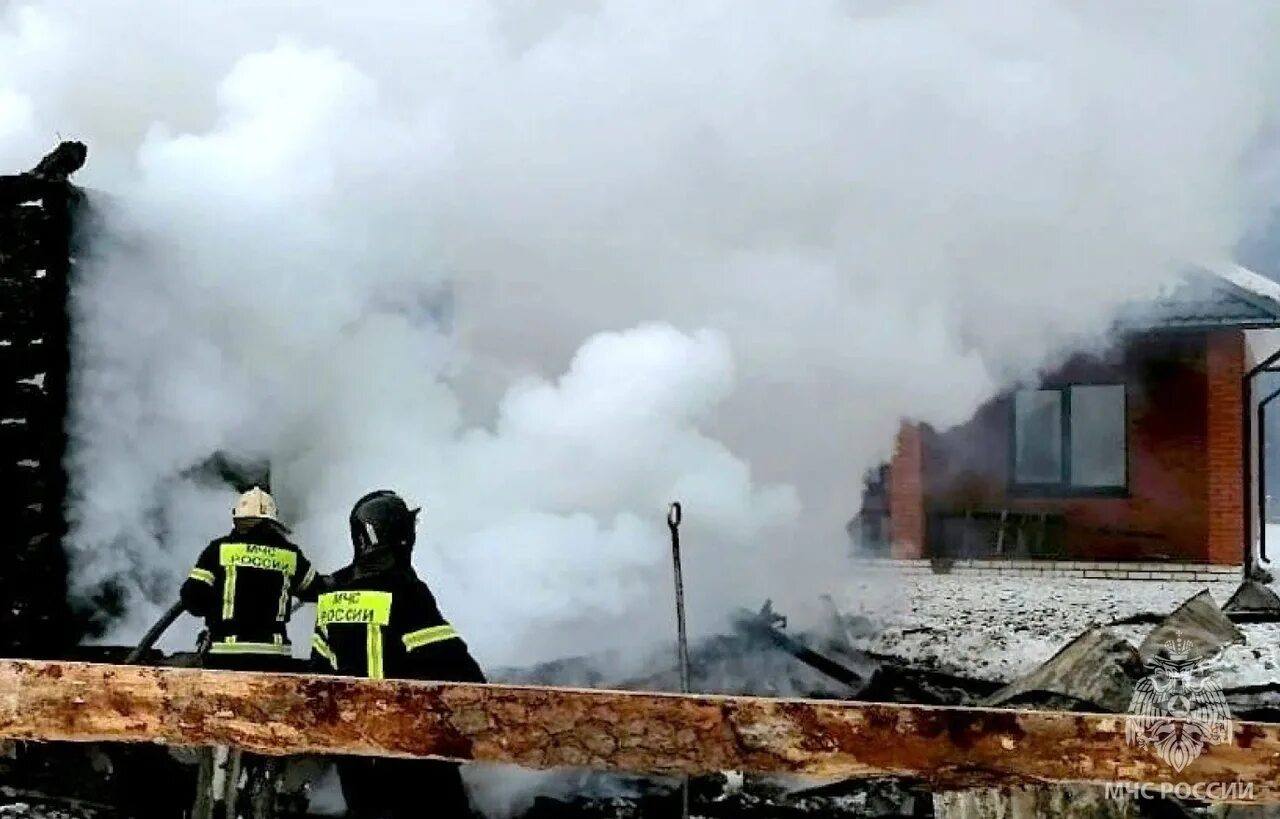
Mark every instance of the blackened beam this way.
pixel 760 627
pixel 282 714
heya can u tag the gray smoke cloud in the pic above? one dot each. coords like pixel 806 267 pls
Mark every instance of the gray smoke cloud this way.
pixel 544 267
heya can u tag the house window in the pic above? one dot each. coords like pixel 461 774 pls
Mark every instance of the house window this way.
pixel 1070 438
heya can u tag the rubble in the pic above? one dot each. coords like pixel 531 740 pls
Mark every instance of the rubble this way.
pixel 763 657
pixel 766 626
pixel 758 659
pixel 761 799
pixel 49 809
pixel 139 782
pixel 1001 629
pixel 1065 802
pixel 1094 672
pixel 1253 597
pixel 1199 623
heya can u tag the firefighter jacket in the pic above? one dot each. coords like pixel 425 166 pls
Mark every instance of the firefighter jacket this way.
pixel 242 586
pixel 379 620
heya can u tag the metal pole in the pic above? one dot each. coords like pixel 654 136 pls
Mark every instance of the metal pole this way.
pixel 1262 480
pixel 1246 468
pixel 674 516
pixel 1246 448
pixel 1262 473
pixel 673 523
pixel 1265 364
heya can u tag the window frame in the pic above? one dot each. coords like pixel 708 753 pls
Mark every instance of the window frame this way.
pixel 1063 488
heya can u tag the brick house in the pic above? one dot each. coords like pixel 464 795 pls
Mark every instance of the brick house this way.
pixel 1135 454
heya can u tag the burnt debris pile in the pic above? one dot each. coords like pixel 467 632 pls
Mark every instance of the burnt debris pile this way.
pixel 39 210
pixel 1101 670
pixel 759 657
pixel 738 797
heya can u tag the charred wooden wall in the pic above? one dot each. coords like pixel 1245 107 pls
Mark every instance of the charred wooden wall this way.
pixel 38 212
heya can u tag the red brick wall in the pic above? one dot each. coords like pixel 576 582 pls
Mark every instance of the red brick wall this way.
pixel 1226 362
pixel 906 495
pixel 1184 495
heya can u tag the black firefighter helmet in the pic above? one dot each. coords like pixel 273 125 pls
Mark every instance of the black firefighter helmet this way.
pixel 383 519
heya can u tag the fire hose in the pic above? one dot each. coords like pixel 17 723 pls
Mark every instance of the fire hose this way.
pixel 167 619
pixel 154 633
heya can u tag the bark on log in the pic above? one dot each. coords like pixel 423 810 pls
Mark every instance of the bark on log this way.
pixel 277 714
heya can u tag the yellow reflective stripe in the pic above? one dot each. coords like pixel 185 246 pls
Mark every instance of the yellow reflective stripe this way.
pixel 427 636
pixel 373 646
pixel 256 556
pixel 354 607
pixel 229 594
pixel 233 556
pixel 231 646
pixel 322 648
pixel 306 581
pixel 372 609
pixel 203 575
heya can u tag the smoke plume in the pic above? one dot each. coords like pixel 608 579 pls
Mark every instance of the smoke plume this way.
pixel 544 267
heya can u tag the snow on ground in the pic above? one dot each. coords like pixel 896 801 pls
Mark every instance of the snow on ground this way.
pixel 1001 628
pixel 1255 663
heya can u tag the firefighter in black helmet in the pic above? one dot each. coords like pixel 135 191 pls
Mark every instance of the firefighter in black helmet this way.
pixel 379 620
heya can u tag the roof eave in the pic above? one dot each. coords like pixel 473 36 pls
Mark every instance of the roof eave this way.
pixel 1265 302
pixel 1204 324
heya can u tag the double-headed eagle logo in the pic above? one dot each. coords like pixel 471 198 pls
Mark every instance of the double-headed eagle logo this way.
pixel 1178 708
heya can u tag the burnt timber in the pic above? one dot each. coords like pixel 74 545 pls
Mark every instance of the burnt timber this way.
pixel 37 216
pixel 542 728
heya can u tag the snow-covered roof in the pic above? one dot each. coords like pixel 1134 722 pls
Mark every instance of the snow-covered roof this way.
pixel 1245 279
pixel 1214 295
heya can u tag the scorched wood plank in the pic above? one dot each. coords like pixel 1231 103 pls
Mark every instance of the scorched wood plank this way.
pixel 550 727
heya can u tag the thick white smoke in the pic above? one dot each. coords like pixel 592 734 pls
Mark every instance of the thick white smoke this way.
pixel 544 267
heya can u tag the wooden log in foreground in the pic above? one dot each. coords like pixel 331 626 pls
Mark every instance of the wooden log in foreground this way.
pixel 656 733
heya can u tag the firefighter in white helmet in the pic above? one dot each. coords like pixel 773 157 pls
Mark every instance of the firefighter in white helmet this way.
pixel 243 586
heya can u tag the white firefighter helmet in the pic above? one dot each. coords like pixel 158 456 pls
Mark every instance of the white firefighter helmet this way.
pixel 255 505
